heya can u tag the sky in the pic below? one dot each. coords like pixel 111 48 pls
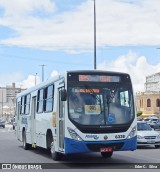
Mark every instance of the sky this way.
pixel 60 35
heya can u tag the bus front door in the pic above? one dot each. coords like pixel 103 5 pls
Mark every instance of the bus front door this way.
pixel 61 112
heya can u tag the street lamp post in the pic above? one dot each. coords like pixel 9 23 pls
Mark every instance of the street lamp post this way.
pixel 95 34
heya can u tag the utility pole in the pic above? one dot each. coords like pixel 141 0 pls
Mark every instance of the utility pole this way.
pixel 42 71
pixel 94 34
pixel 35 78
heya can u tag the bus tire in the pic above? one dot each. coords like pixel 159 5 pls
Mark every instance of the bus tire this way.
pixel 106 154
pixel 49 139
pixel 25 144
pixel 55 155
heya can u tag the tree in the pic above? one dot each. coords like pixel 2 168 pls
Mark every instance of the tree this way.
pixel 139 113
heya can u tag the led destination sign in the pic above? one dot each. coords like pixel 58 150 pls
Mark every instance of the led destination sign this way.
pixel 81 90
pixel 98 78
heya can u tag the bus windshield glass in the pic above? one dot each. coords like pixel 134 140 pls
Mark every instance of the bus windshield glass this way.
pixel 103 104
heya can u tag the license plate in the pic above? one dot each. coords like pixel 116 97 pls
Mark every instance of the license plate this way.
pixel 150 141
pixel 106 150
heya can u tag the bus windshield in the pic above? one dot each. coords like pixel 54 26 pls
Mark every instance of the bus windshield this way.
pixel 105 104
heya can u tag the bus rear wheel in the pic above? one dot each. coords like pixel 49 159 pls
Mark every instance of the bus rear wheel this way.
pixel 55 155
pixel 107 154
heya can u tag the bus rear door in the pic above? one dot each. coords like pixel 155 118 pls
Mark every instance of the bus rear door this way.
pixel 33 121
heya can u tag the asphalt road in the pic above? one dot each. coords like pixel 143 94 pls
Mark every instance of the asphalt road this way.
pixel 11 151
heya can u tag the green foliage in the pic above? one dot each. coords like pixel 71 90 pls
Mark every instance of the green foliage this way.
pixel 139 113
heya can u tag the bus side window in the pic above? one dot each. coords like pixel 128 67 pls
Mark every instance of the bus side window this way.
pixel 27 104
pixel 22 105
pixel 40 101
pixel 49 98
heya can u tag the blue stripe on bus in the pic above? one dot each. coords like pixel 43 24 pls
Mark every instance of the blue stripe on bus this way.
pixel 73 146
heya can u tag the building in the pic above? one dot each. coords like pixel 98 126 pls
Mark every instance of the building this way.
pixel 148 102
pixel 2 99
pixel 11 92
pixel 8 100
pixel 153 82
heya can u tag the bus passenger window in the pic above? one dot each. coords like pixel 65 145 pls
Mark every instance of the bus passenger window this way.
pixel 27 104
pixel 40 101
pixel 22 104
pixel 49 99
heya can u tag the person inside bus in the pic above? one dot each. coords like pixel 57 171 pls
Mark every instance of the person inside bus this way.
pixel 116 113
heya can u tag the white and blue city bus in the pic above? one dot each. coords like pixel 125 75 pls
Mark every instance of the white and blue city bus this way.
pixel 80 112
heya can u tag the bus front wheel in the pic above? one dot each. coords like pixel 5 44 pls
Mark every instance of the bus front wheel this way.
pixel 107 154
pixel 55 155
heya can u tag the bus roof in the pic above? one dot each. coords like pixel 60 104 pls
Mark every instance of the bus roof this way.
pixel 96 71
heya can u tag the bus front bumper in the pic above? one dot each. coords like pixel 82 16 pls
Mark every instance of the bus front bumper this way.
pixel 73 146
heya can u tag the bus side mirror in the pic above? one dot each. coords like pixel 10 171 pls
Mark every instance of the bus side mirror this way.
pixel 63 95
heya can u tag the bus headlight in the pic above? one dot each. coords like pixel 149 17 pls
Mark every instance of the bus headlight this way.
pixel 74 135
pixel 132 133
